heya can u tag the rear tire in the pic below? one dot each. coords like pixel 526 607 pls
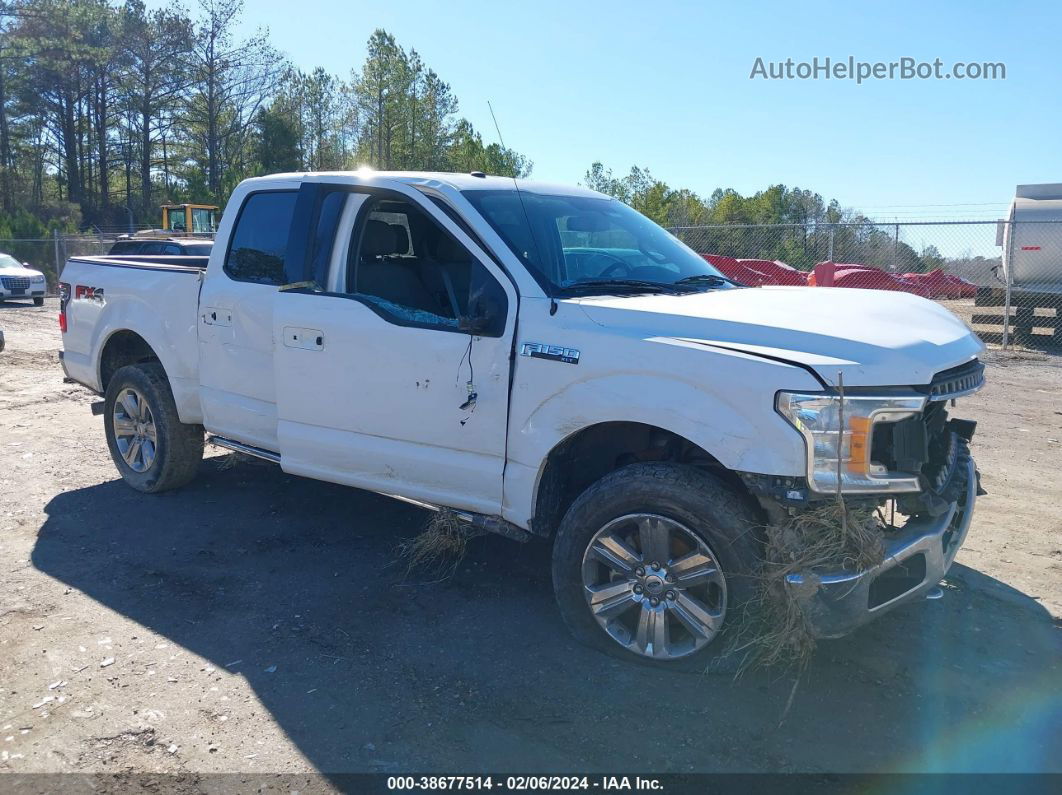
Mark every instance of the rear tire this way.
pixel 152 449
pixel 700 516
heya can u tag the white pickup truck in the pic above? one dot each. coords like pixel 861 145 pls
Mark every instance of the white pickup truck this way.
pixel 545 362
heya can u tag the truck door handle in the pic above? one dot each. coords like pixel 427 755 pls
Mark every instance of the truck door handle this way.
pixel 210 316
pixel 307 339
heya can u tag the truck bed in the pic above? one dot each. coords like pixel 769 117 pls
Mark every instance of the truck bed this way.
pixel 158 296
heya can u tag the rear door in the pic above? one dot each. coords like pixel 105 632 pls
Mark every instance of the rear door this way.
pixel 235 322
pixel 378 384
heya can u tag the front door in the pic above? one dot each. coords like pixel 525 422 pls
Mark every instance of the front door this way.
pixel 379 383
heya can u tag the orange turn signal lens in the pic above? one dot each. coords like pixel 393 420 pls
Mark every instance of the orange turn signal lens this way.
pixel 859 445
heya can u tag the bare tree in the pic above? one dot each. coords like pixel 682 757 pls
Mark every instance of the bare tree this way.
pixel 231 82
pixel 157 75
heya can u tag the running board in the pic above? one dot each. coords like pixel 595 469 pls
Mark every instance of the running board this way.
pixel 480 521
pixel 494 524
pixel 240 447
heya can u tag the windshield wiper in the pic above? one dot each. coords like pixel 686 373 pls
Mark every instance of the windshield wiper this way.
pixel 709 279
pixel 617 285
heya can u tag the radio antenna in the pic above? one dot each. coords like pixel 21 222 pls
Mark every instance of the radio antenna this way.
pixel 520 196
pixel 496 127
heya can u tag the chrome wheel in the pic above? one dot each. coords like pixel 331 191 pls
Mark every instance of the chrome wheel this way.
pixel 134 430
pixel 654 586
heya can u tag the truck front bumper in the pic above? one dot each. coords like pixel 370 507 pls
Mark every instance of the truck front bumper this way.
pixel 916 558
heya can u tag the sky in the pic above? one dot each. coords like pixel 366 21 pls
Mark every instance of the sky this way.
pixel 666 85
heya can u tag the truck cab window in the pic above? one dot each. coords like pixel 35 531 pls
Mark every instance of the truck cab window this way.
pixel 257 246
pixel 413 271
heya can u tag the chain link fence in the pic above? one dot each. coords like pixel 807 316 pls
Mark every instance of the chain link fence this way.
pixel 1003 278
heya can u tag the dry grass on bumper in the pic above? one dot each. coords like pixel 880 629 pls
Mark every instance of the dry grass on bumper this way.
pixel 828 538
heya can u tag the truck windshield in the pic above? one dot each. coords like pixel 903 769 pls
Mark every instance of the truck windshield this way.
pixel 580 244
pixel 7 261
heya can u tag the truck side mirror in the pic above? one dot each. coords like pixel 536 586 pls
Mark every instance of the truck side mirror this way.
pixel 484 316
pixel 476 324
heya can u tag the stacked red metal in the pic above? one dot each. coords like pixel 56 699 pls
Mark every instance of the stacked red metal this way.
pixel 943 285
pixel 756 272
pixel 862 277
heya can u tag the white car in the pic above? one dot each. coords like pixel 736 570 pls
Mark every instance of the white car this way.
pixel 547 363
pixel 19 281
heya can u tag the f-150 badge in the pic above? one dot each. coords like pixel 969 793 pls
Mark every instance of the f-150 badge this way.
pixel 556 353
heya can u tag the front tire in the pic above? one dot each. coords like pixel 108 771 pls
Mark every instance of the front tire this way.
pixel 38 302
pixel 152 449
pixel 654 562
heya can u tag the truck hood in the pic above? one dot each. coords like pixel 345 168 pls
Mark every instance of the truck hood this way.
pixel 873 337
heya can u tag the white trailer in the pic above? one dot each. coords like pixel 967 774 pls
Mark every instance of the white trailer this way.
pixel 1032 240
pixel 1031 274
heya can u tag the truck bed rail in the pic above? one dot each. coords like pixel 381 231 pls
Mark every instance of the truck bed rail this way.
pixel 173 263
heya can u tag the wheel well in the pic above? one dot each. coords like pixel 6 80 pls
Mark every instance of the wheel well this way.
pixel 590 454
pixel 122 348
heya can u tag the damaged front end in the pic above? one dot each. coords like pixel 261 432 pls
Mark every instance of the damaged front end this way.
pixel 898 455
pixel 916 557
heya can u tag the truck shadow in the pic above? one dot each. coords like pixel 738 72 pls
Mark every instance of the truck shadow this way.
pixel 379 671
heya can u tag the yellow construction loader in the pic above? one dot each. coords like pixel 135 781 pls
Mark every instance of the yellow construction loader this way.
pixel 190 219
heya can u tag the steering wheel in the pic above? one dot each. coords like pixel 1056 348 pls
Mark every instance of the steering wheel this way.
pixel 613 269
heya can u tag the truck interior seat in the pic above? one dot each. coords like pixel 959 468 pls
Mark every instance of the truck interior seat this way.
pixel 384 273
pixel 401 239
pixel 447 271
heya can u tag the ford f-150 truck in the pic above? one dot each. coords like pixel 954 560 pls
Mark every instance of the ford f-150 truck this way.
pixel 544 362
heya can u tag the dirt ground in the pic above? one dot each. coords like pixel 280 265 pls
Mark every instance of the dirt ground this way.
pixel 256 622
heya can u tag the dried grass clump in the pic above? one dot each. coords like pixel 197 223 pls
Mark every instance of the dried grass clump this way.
pixel 230 461
pixel 233 460
pixel 440 547
pixel 826 538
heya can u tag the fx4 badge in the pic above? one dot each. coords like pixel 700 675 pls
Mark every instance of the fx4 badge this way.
pixel 556 353
pixel 85 293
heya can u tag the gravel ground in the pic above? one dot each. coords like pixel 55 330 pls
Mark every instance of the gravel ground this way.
pixel 255 622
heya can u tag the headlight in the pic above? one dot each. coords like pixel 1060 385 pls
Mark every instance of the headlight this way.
pixel 818 418
pixel 38 279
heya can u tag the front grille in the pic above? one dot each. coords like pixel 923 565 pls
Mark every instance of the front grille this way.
pixel 948 452
pixel 961 380
pixel 15 282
